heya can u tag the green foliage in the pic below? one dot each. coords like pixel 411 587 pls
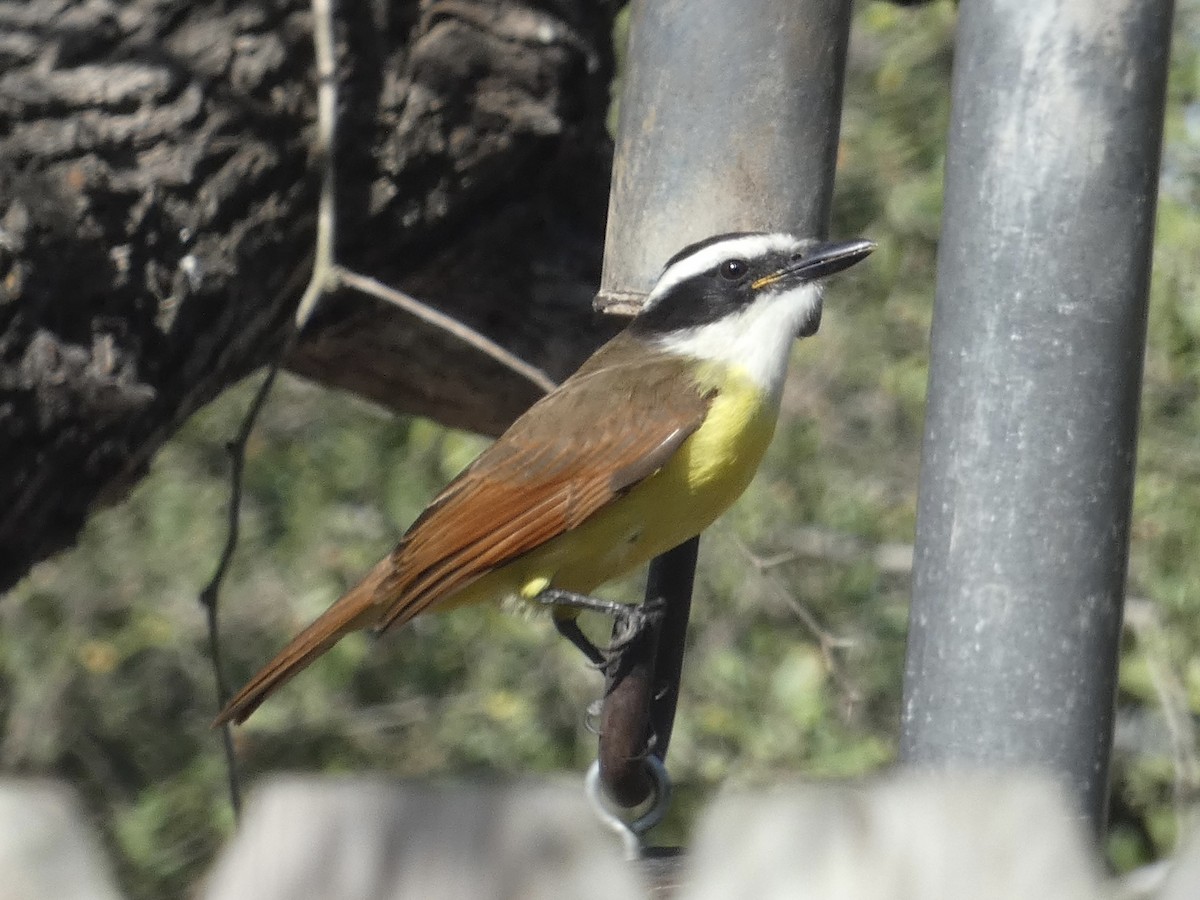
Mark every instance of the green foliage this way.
pixel 794 659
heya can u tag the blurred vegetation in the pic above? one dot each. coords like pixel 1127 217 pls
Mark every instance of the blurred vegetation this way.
pixel 794 663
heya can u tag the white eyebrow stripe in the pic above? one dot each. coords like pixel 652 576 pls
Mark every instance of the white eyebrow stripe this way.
pixel 749 246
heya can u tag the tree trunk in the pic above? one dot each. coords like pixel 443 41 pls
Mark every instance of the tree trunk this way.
pixel 157 212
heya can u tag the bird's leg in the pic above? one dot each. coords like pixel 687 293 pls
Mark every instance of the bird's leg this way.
pixel 633 621
pixel 569 628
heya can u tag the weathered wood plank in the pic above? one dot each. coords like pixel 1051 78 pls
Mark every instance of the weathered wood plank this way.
pixel 932 837
pixel 48 851
pixel 374 839
pixel 911 837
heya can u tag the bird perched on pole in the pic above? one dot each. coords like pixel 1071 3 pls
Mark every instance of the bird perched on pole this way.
pixel 642 448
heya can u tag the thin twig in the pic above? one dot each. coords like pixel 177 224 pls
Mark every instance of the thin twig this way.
pixel 827 641
pixel 463 332
pixel 210 596
pixel 891 558
pixel 825 638
pixel 1143 620
pixel 324 277
pixel 327 275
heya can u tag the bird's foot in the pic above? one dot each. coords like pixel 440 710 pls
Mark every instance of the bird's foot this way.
pixel 636 621
pixel 630 622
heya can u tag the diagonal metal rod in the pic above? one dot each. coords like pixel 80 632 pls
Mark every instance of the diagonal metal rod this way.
pixel 642 687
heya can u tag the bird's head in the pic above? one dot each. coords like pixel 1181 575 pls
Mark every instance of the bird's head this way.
pixel 742 298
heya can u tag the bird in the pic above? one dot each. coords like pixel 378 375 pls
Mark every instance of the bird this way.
pixel 655 435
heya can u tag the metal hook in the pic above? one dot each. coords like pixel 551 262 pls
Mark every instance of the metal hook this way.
pixel 630 832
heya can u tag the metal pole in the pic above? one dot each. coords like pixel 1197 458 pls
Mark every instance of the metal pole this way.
pixel 1035 376
pixel 729 121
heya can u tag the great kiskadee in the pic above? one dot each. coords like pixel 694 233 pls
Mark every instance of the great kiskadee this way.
pixel 642 448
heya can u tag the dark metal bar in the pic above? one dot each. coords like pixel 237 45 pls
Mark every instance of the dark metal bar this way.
pixel 642 689
pixel 1035 378
pixel 729 121
pixel 671 577
pixel 626 729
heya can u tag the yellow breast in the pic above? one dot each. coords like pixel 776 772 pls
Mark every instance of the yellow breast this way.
pixel 725 452
pixel 707 474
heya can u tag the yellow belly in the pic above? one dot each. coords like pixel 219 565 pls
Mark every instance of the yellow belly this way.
pixel 710 470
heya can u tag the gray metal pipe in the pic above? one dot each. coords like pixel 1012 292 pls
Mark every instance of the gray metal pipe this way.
pixel 1035 376
pixel 729 121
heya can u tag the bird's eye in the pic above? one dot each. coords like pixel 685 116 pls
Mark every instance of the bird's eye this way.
pixel 733 269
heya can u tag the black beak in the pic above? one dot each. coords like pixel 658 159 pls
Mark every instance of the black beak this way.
pixel 821 261
pixel 824 260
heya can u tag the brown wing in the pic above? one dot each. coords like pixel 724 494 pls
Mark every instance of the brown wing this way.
pixel 538 481
pixel 542 478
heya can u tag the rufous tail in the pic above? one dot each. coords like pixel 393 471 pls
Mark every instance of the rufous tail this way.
pixel 355 610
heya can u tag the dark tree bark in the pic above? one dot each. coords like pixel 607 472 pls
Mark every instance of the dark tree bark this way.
pixel 157 210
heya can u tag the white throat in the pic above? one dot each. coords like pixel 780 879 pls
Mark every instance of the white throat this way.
pixel 757 341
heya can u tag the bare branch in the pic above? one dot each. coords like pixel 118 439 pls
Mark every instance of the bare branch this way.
pixel 464 333
pixel 210 596
pixel 323 273
pixel 326 276
pixel 1143 620
pixel 827 641
pixel 891 558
